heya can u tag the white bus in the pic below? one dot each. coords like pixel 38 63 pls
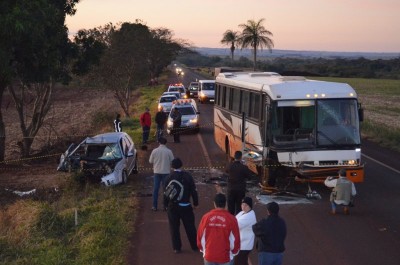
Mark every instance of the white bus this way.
pixel 289 126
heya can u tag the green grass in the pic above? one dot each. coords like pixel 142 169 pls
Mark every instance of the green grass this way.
pixel 363 86
pixel 40 232
pixel 105 221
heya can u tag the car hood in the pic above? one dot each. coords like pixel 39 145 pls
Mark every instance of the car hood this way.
pixel 208 92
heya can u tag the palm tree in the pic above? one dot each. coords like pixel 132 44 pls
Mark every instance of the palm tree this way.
pixel 230 38
pixel 255 35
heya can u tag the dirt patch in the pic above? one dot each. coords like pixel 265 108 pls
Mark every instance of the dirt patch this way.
pixel 70 118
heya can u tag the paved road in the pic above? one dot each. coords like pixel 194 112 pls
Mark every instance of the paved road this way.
pixel 369 235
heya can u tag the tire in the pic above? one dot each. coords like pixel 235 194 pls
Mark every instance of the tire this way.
pixel 124 177
pixel 135 168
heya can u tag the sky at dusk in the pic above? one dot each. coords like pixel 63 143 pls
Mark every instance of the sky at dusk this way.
pixel 317 25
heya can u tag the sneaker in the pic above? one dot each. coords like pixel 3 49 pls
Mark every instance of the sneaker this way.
pixel 154 209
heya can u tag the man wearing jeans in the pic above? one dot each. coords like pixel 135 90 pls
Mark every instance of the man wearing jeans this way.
pixel 270 233
pixel 161 158
pixel 145 122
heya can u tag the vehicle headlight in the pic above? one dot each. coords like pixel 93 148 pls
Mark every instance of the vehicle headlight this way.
pixel 169 123
pixel 193 120
pixel 185 96
pixel 350 162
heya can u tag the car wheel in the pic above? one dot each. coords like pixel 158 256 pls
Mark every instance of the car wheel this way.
pixel 124 177
pixel 135 168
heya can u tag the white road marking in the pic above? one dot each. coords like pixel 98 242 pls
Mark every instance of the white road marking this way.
pixel 218 188
pixel 205 153
pixel 382 164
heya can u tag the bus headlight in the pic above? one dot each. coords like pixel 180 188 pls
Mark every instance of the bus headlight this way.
pixel 350 162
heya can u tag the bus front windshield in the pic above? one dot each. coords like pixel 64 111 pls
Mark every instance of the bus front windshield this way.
pixel 310 123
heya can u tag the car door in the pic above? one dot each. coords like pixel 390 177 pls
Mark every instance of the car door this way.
pixel 129 153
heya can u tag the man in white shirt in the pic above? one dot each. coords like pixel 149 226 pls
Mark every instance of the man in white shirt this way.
pixel 161 158
pixel 343 191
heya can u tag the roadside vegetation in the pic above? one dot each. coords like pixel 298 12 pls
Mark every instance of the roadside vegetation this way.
pixel 79 224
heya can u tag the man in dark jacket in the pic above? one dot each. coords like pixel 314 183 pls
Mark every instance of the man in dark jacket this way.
pixel 177 120
pixel 160 119
pixel 182 210
pixel 237 175
pixel 270 235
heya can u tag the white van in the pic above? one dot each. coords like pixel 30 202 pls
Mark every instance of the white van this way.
pixel 206 90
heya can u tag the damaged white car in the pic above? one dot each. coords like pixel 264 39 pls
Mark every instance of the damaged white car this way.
pixel 108 158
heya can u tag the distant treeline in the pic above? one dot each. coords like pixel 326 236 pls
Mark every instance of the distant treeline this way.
pixel 340 67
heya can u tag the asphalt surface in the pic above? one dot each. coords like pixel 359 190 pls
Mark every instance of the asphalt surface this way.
pixel 369 235
pixel 151 241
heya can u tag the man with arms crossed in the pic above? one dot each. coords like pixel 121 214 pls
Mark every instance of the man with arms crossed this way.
pixel 161 158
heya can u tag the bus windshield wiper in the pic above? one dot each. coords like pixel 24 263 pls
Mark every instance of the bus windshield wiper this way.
pixel 328 138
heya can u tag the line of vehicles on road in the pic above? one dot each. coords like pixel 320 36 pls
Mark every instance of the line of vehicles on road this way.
pixel 287 126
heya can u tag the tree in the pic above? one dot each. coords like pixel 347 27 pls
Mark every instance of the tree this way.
pixel 230 38
pixel 163 50
pixel 36 49
pixel 124 65
pixel 255 35
pixel 134 54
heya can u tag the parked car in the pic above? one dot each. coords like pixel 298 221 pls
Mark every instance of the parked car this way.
pixel 165 102
pixel 178 88
pixel 190 115
pixel 108 158
pixel 193 90
pixel 206 90
pixel 176 94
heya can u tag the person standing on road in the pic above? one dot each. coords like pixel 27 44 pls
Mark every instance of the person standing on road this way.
pixel 270 233
pixel 343 191
pixel 177 120
pixel 182 210
pixel 161 158
pixel 145 122
pixel 218 236
pixel 246 219
pixel 237 175
pixel 160 119
pixel 117 124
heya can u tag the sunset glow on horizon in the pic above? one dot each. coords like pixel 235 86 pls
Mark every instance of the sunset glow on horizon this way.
pixel 314 25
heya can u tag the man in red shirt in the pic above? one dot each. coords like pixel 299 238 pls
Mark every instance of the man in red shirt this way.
pixel 145 122
pixel 218 235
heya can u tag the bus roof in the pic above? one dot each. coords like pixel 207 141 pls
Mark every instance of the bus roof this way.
pixel 286 87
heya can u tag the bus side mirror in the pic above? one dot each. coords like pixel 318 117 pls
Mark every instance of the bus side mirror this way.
pixel 361 114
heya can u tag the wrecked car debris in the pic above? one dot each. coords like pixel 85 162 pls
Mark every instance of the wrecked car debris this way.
pixel 108 158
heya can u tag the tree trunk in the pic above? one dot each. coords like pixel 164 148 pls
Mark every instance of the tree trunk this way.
pixel 41 105
pixel 254 58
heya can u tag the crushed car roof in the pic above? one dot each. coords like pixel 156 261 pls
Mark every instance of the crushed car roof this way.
pixel 112 137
